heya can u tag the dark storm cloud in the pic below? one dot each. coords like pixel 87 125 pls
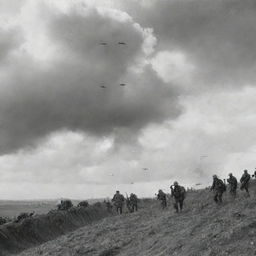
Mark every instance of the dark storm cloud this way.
pixel 36 100
pixel 220 36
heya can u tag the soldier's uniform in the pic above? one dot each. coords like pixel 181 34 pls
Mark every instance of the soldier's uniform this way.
pixel 219 188
pixel 162 197
pixel 232 181
pixel 245 179
pixel 178 192
pixel 133 202
pixel 118 200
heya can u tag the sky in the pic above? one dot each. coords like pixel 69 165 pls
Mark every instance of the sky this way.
pixel 69 129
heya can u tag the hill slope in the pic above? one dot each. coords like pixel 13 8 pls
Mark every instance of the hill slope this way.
pixel 203 229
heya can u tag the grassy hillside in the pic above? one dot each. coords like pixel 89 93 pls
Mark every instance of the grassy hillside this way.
pixel 203 229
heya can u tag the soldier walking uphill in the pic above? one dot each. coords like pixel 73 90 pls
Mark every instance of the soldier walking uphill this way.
pixel 219 188
pixel 232 181
pixel 178 192
pixel 245 179
pixel 133 202
pixel 118 200
pixel 162 197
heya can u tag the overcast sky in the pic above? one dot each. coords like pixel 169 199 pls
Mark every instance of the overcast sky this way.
pixel 186 112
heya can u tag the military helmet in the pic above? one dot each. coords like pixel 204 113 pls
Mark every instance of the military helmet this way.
pixel 230 174
pixel 214 176
pixel 175 183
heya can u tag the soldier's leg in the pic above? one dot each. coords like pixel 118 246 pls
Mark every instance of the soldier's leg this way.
pixel 215 198
pixel 181 204
pixel 121 209
pixel 234 192
pixel 220 197
pixel 162 203
pixel 247 189
pixel 176 207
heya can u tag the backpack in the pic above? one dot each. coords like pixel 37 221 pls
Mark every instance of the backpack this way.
pixel 183 191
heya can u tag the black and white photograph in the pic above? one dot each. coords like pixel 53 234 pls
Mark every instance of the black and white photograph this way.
pixel 127 127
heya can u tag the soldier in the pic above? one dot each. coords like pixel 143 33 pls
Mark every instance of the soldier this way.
pixel 118 200
pixel 219 188
pixel 232 181
pixel 83 204
pixel 178 192
pixel 108 205
pixel 162 197
pixel 65 204
pixel 133 202
pixel 245 179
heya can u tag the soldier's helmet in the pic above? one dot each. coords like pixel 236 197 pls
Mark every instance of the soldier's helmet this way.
pixel 230 174
pixel 175 183
pixel 117 191
pixel 160 190
pixel 245 171
pixel 214 176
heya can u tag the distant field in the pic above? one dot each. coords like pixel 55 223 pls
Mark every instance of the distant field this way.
pixel 9 208
pixel 13 208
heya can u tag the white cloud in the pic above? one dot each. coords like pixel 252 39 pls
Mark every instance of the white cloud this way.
pixel 186 95
pixel 174 67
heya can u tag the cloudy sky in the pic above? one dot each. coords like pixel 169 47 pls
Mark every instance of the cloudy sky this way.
pixel 187 110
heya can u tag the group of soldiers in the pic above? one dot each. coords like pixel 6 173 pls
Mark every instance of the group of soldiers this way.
pixel 131 202
pixel 178 193
pixel 219 186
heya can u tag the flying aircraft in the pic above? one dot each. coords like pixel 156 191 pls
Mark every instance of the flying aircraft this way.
pixel 103 43
pixel 122 84
pixel 145 169
pixel 122 43
pixel 103 87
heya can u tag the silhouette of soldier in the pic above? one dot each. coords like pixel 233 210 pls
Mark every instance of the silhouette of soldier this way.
pixel 133 202
pixel 162 197
pixel 232 181
pixel 245 179
pixel 178 192
pixel 118 200
pixel 218 187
